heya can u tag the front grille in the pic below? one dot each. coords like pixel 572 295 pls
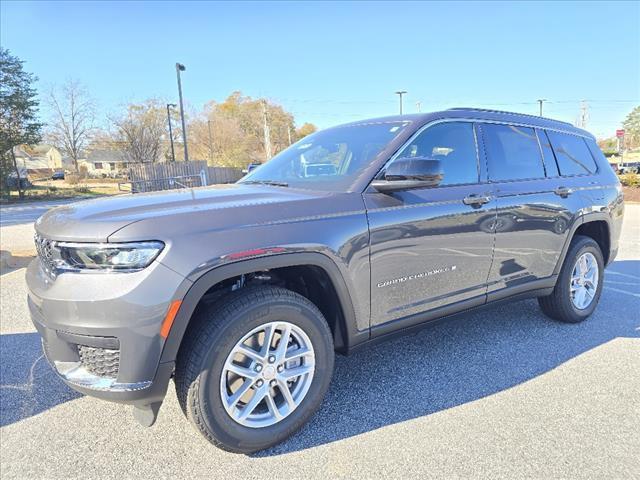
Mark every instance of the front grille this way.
pixel 100 361
pixel 44 247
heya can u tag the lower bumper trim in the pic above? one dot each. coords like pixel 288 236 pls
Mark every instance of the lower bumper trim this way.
pixel 76 374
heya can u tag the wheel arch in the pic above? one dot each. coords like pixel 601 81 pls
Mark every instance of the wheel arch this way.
pixel 344 329
pixel 595 225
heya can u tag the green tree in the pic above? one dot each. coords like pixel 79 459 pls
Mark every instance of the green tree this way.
pixel 631 127
pixel 18 113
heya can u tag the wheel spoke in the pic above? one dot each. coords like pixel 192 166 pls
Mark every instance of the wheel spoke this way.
pixel 251 353
pixel 253 403
pixel 273 408
pixel 290 373
pixel 240 370
pixel 233 399
pixel 286 393
pixel 283 342
pixel 298 353
pixel 268 338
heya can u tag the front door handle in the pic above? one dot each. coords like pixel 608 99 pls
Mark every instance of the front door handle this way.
pixel 476 200
pixel 563 192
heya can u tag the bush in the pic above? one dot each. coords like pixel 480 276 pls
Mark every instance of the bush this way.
pixel 630 180
pixel 81 189
pixel 72 178
pixel 52 189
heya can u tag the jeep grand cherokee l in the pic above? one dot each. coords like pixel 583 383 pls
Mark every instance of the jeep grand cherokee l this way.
pixel 242 293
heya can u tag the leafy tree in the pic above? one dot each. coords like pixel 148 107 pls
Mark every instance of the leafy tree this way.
pixel 631 127
pixel 18 112
pixel 305 129
pixel 232 133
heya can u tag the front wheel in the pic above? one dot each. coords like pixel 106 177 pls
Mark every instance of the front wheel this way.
pixel 254 368
pixel 579 284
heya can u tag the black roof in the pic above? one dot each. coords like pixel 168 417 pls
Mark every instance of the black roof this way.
pixel 481 114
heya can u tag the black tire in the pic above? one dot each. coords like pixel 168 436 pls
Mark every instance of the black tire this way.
pixel 558 305
pixel 215 332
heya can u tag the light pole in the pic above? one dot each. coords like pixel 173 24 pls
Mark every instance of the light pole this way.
pixel 182 68
pixel 541 101
pixel 400 94
pixel 173 153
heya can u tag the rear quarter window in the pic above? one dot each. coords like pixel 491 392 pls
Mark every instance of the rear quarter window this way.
pixel 572 154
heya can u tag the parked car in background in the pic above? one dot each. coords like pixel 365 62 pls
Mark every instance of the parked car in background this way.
pixel 242 293
pixel 251 167
pixel 59 175
pixel 629 167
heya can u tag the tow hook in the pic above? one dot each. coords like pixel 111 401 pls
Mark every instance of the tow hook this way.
pixel 146 415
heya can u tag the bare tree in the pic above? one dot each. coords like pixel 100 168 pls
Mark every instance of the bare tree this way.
pixel 141 131
pixel 73 119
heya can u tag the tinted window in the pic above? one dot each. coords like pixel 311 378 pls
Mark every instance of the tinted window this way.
pixel 329 160
pixel 514 153
pixel 454 144
pixel 547 154
pixel 573 155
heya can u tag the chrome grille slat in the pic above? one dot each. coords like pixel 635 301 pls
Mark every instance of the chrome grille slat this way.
pixel 44 248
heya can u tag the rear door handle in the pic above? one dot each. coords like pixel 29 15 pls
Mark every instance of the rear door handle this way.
pixel 563 192
pixel 476 200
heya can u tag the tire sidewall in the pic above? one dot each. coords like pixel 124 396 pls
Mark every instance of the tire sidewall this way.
pixel 583 246
pixel 214 415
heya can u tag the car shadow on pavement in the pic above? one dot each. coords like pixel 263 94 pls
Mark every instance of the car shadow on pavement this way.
pixel 461 360
pixel 28 385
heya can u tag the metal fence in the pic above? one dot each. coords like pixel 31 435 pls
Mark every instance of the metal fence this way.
pixel 150 177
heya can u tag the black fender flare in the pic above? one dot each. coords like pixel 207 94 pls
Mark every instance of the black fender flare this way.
pixel 348 331
pixel 581 220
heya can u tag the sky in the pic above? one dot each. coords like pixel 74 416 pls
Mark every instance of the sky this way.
pixel 330 63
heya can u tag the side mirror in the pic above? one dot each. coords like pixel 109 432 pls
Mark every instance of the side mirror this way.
pixel 408 173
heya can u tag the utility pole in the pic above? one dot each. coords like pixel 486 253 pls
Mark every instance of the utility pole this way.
pixel 400 93
pixel 267 134
pixel 173 153
pixel 182 68
pixel 210 141
pixel 419 106
pixel 540 102
pixel 583 118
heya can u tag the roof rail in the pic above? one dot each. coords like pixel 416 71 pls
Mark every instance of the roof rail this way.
pixel 491 110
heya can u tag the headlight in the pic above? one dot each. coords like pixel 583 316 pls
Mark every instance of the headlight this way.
pixel 115 257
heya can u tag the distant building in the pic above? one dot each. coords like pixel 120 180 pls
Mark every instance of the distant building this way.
pixel 37 159
pixel 103 161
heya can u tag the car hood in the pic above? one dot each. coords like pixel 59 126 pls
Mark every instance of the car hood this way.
pixel 221 205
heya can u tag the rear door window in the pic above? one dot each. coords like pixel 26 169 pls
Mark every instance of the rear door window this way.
pixel 572 154
pixel 513 153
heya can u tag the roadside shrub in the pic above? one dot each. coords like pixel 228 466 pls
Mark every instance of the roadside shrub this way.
pixel 84 172
pixel 52 189
pixel 72 178
pixel 630 180
pixel 81 189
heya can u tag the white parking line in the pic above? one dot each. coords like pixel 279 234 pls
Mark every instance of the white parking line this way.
pixel 637 295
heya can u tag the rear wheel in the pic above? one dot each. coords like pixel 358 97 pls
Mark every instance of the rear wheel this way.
pixel 579 284
pixel 254 368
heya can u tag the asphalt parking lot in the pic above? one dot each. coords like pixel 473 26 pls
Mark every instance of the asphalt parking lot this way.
pixel 499 393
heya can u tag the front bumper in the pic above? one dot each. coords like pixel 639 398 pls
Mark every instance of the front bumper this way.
pixel 101 332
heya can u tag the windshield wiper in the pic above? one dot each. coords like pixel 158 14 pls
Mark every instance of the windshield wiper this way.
pixel 274 183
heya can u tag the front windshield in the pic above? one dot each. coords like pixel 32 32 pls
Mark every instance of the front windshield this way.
pixel 327 160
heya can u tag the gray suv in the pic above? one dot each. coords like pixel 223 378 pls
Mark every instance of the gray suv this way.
pixel 242 293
